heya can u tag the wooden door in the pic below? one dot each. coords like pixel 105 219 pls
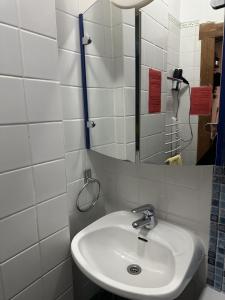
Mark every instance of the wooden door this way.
pixel 208 34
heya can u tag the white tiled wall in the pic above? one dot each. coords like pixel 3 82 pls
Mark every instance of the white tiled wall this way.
pixel 34 222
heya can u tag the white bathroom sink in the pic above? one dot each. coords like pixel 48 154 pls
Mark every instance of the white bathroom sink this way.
pixel 167 255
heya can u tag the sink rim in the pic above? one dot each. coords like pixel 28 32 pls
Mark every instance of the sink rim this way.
pixel 173 289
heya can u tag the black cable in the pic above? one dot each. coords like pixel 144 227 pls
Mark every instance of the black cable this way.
pixel 190 126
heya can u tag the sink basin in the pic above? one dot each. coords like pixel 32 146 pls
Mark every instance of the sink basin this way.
pixel 137 264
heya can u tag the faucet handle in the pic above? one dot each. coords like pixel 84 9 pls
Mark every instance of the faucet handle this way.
pixel 143 209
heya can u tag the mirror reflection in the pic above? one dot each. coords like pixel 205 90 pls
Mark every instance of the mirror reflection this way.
pixel 181 54
pixel 110 69
pixel 153 81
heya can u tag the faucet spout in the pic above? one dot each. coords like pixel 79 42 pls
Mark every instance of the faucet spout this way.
pixel 148 220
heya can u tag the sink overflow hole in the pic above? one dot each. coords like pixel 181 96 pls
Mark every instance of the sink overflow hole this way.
pixel 134 269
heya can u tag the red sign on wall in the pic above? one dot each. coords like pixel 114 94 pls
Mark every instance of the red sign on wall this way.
pixel 201 101
pixel 155 86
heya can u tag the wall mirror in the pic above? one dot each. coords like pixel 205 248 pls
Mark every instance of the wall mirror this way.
pixel 181 55
pixel 151 81
pixel 108 38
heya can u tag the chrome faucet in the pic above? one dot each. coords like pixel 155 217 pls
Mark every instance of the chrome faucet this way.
pixel 148 220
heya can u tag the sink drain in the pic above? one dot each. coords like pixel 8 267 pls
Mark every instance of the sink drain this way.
pixel 134 269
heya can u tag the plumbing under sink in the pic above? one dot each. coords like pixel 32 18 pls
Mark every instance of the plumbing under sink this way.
pixel 137 264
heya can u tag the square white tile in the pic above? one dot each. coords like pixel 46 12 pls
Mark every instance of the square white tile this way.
pixel 8 12
pixel 69 68
pixel 68 32
pixel 128 16
pixel 10 54
pixel 101 103
pixel 68 295
pixel 19 197
pixel 12 102
pixel 31 11
pixel 55 249
pixel 74 135
pixel 98 46
pixel 128 40
pixel 75 165
pixel 40 56
pixel 58 281
pixel 20 271
pixel 17 233
pixel 103 133
pixel 34 292
pixel 52 216
pixel 69 6
pixel 46 141
pixel 72 101
pixel 2 297
pixel 72 193
pixel 15 151
pixel 129 71
pixel 43 100
pixel 49 180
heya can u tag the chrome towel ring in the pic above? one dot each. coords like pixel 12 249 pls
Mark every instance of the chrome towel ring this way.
pixel 87 181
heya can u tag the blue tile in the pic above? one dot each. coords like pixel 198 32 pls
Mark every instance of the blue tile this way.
pixel 218 170
pixel 222 213
pixel 221 235
pixel 222 188
pixel 215 202
pixel 215 210
pixel 211 275
pixel 216 179
pixel 212 254
pixel 210 282
pixel 219 273
pixel 211 269
pixel 214 218
pixel 216 195
pixel 217 187
pixel 222 204
pixel 219 264
pixel 221 220
pixel 221 243
pixel 222 228
pixel 211 261
pixel 220 258
pixel 218 285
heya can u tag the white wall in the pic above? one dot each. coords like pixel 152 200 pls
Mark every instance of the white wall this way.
pixel 34 229
pixel 199 11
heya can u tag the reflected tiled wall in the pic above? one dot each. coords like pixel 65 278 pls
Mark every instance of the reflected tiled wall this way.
pixel 154 50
